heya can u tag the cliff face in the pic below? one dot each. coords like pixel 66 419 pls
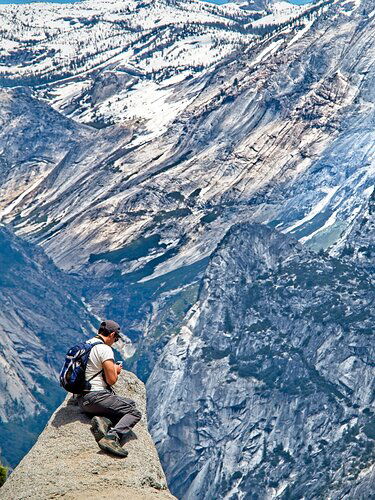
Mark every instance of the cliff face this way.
pixel 288 114
pixel 268 388
pixel 359 242
pixel 280 132
pixel 67 463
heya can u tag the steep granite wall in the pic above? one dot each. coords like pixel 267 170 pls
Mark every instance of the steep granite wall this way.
pixel 66 462
pixel 267 392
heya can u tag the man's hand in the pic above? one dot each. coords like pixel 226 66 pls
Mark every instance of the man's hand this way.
pixel 118 368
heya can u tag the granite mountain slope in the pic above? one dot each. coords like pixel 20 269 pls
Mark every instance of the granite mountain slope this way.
pixel 270 144
pixel 236 148
pixel 106 202
pixel 267 390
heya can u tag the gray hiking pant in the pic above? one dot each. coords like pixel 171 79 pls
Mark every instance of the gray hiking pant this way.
pixel 121 411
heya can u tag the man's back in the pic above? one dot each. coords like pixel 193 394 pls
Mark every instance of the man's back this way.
pixel 98 354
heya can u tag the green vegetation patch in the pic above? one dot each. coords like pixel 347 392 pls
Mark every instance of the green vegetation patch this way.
pixel 175 195
pixel 369 429
pixel 3 474
pixel 172 214
pixel 135 250
pixel 207 219
pixel 210 353
pixel 8 255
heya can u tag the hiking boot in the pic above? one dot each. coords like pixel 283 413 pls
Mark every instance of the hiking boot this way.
pixel 99 427
pixel 111 444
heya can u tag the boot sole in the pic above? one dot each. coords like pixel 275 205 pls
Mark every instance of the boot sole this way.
pixel 98 428
pixel 120 452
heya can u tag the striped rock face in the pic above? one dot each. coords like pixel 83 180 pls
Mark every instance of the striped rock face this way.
pixel 267 390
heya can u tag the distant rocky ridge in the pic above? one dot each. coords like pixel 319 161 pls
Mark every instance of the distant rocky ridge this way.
pixel 67 463
pixel 268 388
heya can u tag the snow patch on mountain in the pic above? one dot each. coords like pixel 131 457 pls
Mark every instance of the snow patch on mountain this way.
pixel 281 12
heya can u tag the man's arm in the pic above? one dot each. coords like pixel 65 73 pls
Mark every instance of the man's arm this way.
pixel 111 371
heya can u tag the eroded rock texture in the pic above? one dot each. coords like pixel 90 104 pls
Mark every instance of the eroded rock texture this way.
pixel 67 463
pixel 267 392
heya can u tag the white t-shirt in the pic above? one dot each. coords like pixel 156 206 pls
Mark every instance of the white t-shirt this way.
pixel 98 354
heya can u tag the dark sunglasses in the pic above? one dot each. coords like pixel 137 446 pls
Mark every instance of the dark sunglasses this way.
pixel 116 337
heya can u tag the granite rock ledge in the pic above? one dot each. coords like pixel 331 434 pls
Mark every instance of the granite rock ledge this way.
pixel 66 462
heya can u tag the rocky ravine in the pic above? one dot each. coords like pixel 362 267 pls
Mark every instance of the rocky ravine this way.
pixel 67 463
pixel 280 132
pixel 268 389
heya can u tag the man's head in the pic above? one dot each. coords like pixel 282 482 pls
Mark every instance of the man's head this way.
pixel 110 330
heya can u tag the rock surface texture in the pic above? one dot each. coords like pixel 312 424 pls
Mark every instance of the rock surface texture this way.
pixel 66 462
pixel 152 129
pixel 268 390
pixel 245 138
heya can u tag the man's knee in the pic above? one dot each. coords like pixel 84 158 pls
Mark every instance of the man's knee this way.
pixel 126 407
pixel 136 414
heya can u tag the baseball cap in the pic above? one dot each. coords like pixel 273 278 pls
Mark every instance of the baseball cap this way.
pixel 110 326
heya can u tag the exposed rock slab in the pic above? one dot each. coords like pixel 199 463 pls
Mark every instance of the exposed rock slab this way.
pixel 67 463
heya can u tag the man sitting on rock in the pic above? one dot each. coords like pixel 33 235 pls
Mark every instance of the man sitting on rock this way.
pixel 114 415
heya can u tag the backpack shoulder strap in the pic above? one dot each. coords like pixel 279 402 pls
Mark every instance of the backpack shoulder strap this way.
pixel 94 375
pixel 93 345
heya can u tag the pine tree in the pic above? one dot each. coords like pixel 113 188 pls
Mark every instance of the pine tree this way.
pixel 3 474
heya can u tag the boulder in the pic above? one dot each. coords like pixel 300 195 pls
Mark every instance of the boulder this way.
pixel 66 462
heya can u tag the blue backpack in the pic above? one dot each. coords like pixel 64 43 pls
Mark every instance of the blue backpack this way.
pixel 72 375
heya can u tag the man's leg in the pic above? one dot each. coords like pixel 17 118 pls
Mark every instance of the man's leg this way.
pixel 129 415
pixel 103 404
pixel 121 411
pixel 100 427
